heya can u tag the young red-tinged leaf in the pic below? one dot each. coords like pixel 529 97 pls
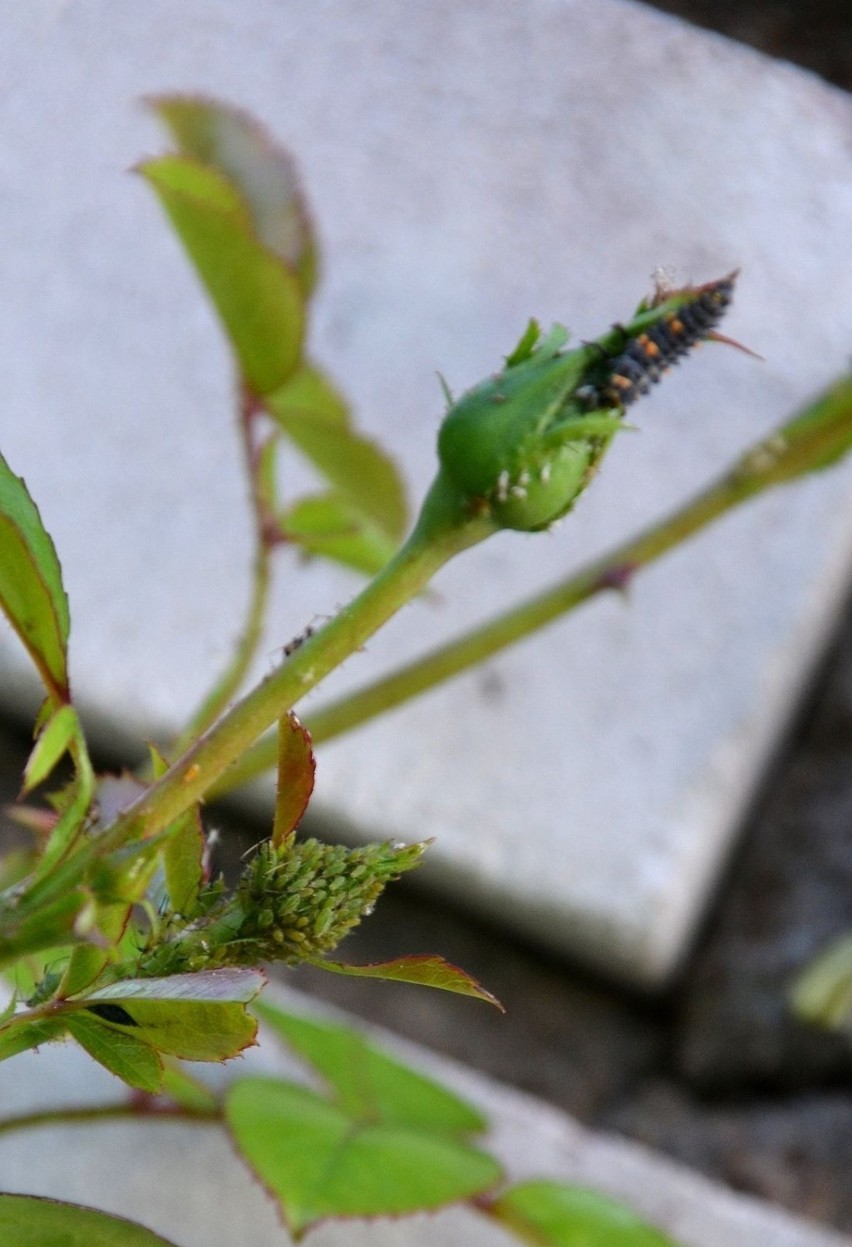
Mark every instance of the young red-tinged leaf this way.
pixel 53 741
pixel 30 1221
pixel 119 1051
pixel 32 595
pixel 425 969
pixel 555 1214
pixel 319 1161
pixel 197 1017
pixel 256 294
pixel 328 526
pixel 353 464
pixel 233 142
pixel 184 854
pixel 367 1082
pixel 33 818
pixel 295 782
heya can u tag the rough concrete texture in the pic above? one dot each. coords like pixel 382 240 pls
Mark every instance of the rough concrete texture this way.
pixel 468 166
pixel 203 1197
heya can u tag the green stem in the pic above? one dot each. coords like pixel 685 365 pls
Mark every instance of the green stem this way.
pixel 805 443
pixel 815 439
pixel 226 687
pixel 237 669
pixel 106 1112
pixel 446 527
pixel 234 674
pixel 613 571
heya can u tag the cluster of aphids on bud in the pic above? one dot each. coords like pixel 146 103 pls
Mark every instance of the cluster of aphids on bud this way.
pixel 647 356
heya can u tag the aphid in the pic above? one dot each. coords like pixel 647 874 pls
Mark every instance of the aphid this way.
pixel 647 356
pixel 299 641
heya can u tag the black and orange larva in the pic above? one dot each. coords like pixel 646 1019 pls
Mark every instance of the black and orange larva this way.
pixel 647 356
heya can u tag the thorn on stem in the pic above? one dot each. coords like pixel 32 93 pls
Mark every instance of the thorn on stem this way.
pixel 618 577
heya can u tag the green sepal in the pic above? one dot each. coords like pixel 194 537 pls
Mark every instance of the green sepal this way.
pixel 522 444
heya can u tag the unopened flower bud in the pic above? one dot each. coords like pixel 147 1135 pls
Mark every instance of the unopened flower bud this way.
pixel 524 444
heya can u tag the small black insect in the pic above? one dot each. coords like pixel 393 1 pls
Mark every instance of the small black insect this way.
pixel 647 356
pixel 112 1013
pixel 298 641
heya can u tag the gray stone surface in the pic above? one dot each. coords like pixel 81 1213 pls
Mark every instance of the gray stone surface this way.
pixel 487 164
pixel 204 1198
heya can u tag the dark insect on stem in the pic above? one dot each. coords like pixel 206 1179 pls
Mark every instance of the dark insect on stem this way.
pixel 112 1013
pixel 298 641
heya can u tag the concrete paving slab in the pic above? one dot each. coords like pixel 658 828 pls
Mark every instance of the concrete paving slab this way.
pixel 184 1182
pixel 468 166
